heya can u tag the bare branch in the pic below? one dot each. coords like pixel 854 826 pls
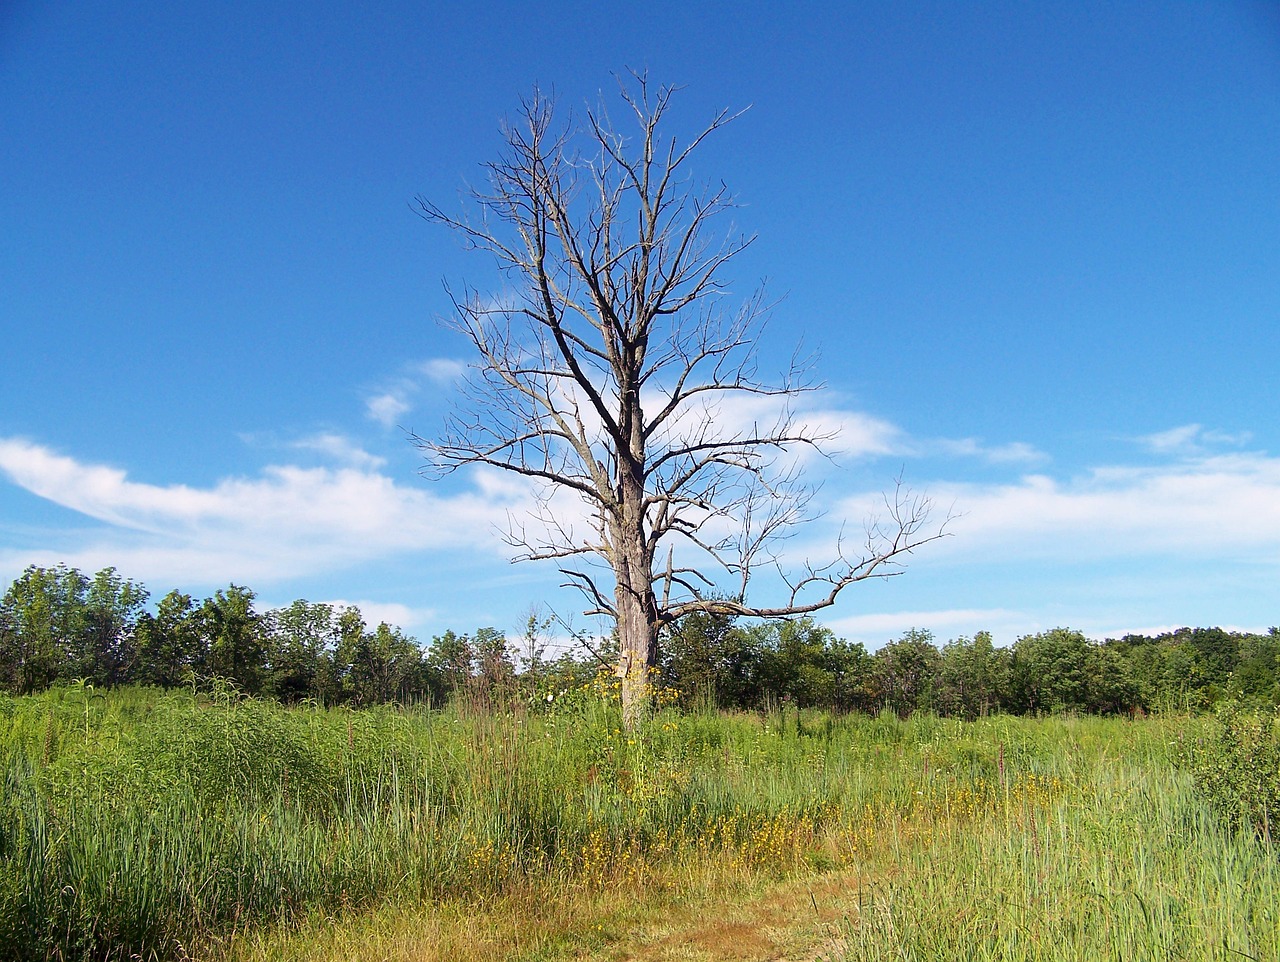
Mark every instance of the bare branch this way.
pixel 610 368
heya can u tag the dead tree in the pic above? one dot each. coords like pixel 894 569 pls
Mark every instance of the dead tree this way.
pixel 612 369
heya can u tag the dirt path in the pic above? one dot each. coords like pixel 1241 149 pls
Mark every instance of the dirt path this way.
pixel 797 921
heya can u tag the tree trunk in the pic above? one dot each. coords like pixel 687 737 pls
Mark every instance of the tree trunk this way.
pixel 637 646
pixel 634 598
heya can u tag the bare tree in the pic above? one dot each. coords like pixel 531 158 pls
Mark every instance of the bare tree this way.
pixel 613 369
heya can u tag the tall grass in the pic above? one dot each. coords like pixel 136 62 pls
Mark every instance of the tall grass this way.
pixel 147 824
pixel 140 823
pixel 1119 857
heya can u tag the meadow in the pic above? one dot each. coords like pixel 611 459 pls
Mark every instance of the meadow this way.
pixel 136 823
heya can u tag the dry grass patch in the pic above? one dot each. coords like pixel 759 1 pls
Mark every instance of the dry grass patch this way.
pixel 533 923
pixel 793 921
pixel 708 918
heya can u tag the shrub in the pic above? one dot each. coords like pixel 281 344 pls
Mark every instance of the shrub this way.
pixel 1238 766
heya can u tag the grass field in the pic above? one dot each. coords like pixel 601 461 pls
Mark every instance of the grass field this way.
pixel 136 823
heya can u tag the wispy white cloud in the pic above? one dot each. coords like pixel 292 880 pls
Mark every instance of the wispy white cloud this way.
pixel 393 613
pixel 843 433
pixel 1016 452
pixel 396 395
pixel 387 408
pixel 850 434
pixel 285 522
pixel 1172 440
pixel 1190 439
pixel 856 434
pixel 443 371
pixel 1195 509
pixel 339 448
pixel 944 624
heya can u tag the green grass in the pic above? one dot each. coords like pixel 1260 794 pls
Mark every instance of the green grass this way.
pixel 144 824
pixel 1127 863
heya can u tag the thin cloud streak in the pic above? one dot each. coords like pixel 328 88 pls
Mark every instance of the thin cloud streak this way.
pixel 845 434
pixel 945 625
pixel 396 395
pixel 390 612
pixel 339 448
pixel 444 371
pixel 1016 452
pixel 285 522
pixel 1213 507
pixel 1191 439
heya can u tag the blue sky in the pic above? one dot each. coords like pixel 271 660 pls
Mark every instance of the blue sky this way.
pixel 1036 248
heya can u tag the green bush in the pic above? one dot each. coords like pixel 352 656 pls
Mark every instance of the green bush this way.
pixel 1237 766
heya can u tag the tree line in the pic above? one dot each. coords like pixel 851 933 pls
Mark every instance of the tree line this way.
pixel 58 625
pixel 735 666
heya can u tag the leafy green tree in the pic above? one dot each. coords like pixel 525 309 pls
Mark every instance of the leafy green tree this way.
pixel 234 635
pixel 1183 681
pixel 1144 661
pixel 907 671
pixel 63 625
pixel 1049 672
pixel 302 640
pixel 21 670
pixel 333 683
pixel 711 661
pixel 385 666
pixel 1218 652
pixel 973 678
pixel 1198 666
pixel 44 618
pixel 452 662
pixel 795 663
pixel 1256 676
pixel 853 672
pixel 170 644
pixel 1112 687
pixel 107 648
pixel 336 684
